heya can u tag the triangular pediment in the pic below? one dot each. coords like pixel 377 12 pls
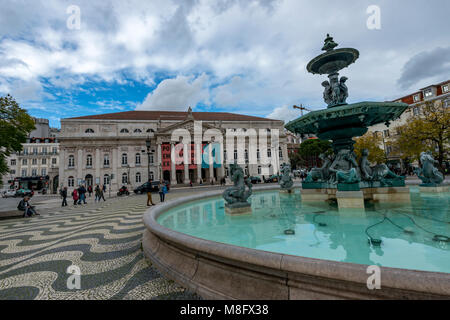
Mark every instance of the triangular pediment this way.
pixel 187 124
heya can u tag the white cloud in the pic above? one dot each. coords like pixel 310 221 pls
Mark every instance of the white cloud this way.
pixel 254 52
pixel 285 113
pixel 177 94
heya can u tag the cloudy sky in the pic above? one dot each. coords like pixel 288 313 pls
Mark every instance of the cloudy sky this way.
pixel 214 55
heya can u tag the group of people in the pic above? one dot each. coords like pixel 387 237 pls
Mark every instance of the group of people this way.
pixel 162 190
pixel 79 194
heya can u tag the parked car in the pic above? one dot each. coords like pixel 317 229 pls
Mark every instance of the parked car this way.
pixel 8 193
pixel 153 188
pixel 255 180
pixel 272 178
pixel 24 192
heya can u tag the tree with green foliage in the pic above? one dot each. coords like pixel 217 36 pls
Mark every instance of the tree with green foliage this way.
pixel 15 125
pixel 371 142
pixel 429 130
pixel 310 150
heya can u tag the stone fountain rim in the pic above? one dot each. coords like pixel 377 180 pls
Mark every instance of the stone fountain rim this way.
pixel 396 278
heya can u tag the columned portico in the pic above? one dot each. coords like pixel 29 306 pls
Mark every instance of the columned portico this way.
pixel 121 138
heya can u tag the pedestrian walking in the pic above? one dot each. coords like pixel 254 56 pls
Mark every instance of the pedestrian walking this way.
pixel 102 194
pixel 82 194
pixel 161 191
pixel 90 190
pixel 75 196
pixel 63 193
pixel 97 193
pixel 149 194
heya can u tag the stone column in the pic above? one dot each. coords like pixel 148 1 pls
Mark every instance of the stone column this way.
pixel 173 172
pixel 211 163
pixel 159 155
pixel 222 165
pixel 114 165
pixel 186 159
pixel 198 150
pixel 62 168
pixel 97 166
pixel 80 165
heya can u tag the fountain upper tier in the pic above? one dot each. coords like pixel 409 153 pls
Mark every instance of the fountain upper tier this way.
pixel 341 121
pixel 332 60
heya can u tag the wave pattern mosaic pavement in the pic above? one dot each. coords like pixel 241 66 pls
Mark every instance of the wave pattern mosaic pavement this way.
pixel 103 240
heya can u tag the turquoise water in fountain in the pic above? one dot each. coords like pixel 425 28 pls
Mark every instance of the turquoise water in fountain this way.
pixel 324 232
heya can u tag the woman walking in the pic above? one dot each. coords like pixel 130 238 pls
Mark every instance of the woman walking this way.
pixel 75 197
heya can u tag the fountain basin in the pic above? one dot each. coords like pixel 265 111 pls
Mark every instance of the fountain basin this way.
pixel 346 121
pixel 218 270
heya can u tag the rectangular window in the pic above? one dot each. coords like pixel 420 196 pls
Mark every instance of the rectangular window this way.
pixel 24 172
pixel 416 98
pixel 34 172
pixel 43 172
pixel 24 162
pixel 12 171
pixel 34 161
pixel 44 161
pixel 53 160
pixel 13 162
pixel 386 133
pixel 445 88
pixel 428 93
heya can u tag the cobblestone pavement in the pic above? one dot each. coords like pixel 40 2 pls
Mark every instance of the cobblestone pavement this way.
pixel 103 240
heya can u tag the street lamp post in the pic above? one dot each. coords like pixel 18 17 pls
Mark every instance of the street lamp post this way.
pixel 148 145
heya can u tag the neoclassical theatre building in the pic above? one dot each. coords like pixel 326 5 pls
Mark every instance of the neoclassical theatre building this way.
pixel 127 148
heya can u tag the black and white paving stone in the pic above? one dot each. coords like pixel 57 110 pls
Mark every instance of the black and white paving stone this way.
pixel 102 239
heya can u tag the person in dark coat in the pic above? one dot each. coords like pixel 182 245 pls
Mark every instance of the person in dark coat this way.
pixel 64 196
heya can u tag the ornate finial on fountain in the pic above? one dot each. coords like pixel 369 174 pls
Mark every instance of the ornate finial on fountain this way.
pixel 329 43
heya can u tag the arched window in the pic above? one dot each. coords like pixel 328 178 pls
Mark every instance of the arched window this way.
pixel 137 131
pixel 138 158
pixel 106 179
pixel 71 181
pixel 124 130
pixel 124 159
pixel 269 153
pixel 150 130
pixel 152 175
pixel 89 161
pixel 89 131
pixel 258 156
pixel 125 178
pixel 259 169
pixel 71 161
pixel 280 152
pixel 246 154
pixel 138 177
pixel 235 155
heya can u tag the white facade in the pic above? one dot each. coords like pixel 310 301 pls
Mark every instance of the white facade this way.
pixel 113 151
